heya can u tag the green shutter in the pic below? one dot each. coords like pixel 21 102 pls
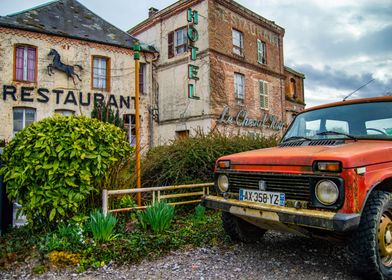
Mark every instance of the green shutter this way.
pixel 263 93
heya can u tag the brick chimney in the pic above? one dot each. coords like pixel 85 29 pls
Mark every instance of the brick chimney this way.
pixel 152 11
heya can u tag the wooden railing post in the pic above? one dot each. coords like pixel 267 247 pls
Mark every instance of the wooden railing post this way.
pixel 105 202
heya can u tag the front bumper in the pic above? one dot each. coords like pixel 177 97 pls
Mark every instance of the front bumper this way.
pixel 325 220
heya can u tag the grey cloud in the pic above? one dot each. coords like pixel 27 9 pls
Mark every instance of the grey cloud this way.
pixel 336 79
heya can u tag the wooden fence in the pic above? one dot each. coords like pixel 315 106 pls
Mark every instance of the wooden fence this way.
pixel 158 194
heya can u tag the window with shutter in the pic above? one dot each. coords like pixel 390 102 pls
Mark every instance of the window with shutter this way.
pixel 170 44
pixel 261 55
pixel 263 93
pixel 181 40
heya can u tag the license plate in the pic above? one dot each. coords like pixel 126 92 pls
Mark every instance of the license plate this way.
pixel 271 198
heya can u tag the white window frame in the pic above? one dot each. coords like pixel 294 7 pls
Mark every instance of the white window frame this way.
pixel 182 44
pixel 100 73
pixel 263 94
pixel 239 86
pixel 64 112
pixel 238 49
pixel 261 52
pixel 23 109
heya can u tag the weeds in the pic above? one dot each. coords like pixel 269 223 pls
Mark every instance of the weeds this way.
pixel 158 216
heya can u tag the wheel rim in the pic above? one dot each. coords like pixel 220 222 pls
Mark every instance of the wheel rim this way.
pixel 385 238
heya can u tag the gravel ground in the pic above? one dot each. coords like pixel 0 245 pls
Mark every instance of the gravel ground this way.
pixel 279 256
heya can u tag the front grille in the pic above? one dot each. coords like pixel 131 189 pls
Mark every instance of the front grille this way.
pixel 294 187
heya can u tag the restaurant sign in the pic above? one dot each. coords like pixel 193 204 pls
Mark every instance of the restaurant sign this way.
pixel 242 119
pixel 64 97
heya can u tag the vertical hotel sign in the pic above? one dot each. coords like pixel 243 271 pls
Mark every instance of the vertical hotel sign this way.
pixel 193 36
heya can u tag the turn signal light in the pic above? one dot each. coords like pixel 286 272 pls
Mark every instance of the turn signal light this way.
pixel 224 164
pixel 329 166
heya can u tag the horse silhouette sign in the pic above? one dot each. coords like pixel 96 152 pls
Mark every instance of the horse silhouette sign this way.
pixel 58 65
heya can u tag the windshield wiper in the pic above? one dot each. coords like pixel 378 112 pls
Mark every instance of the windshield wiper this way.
pixel 297 138
pixel 330 132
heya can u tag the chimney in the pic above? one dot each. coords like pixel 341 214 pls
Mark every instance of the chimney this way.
pixel 152 11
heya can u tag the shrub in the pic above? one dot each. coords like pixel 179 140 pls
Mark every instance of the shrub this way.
pixel 56 166
pixel 192 160
pixel 157 216
pixel 101 226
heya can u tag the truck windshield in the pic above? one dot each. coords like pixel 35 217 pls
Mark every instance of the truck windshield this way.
pixel 371 120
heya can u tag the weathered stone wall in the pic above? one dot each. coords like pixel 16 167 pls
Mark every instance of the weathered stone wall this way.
pixel 72 52
pixel 223 17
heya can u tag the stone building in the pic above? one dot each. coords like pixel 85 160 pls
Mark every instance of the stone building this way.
pixel 220 67
pixel 35 43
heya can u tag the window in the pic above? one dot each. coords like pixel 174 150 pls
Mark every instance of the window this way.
pixel 263 93
pixel 142 78
pixel 293 88
pixel 238 42
pixel 177 42
pixel 130 126
pixel 67 113
pixel 182 134
pixel 261 55
pixel 239 86
pixel 25 63
pixel 23 117
pixel 379 126
pixel 101 73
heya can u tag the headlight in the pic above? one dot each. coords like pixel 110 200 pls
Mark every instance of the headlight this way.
pixel 223 183
pixel 327 192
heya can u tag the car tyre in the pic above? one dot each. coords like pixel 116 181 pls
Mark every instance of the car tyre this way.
pixel 238 229
pixel 370 247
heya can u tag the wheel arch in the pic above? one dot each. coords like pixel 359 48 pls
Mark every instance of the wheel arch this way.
pixel 383 185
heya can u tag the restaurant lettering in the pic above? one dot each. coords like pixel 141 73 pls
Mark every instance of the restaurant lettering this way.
pixel 64 97
pixel 242 119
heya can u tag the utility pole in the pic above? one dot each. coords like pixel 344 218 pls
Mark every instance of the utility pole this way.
pixel 136 57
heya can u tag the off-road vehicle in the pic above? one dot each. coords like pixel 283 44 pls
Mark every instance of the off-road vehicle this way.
pixel 329 177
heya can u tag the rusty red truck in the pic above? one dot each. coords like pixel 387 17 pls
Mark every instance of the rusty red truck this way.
pixel 329 177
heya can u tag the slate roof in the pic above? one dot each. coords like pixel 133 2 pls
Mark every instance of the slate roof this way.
pixel 69 18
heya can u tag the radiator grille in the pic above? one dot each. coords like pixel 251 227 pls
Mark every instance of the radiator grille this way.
pixel 294 187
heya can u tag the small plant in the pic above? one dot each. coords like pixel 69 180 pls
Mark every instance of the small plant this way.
pixel 63 259
pixel 200 213
pixel 158 216
pixel 126 201
pixel 66 237
pixel 102 226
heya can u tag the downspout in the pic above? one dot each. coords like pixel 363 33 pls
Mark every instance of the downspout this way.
pixel 151 107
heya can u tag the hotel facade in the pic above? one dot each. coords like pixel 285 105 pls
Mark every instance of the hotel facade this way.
pixel 220 68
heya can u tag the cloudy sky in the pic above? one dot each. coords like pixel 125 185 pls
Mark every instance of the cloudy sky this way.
pixel 339 45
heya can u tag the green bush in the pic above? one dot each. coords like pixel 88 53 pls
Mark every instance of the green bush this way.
pixel 192 160
pixel 56 167
pixel 101 226
pixel 157 216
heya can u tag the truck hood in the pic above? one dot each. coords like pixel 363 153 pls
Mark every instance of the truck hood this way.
pixel 351 154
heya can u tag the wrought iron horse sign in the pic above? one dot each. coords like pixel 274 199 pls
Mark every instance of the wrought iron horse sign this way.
pixel 58 65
